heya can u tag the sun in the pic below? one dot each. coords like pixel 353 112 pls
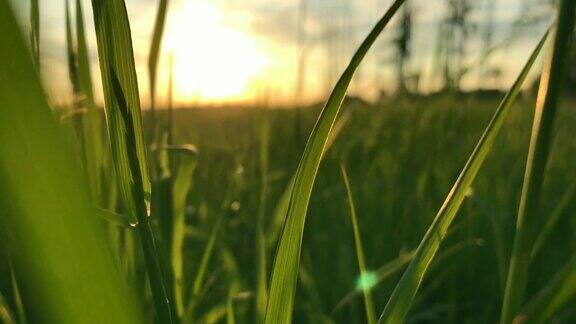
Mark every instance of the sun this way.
pixel 212 61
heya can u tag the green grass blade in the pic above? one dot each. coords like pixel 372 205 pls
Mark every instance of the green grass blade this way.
pixel 553 219
pixel 35 30
pixel 122 101
pixel 405 291
pixel 286 262
pixel 92 120
pixel 126 135
pixel 60 249
pixel 527 222
pixel 260 248
pixel 155 50
pixel 187 159
pixel 368 301
pixel 202 268
pixel 559 291
pixel 275 228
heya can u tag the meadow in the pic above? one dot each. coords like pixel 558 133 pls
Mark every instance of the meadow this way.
pixel 451 208
pixel 402 157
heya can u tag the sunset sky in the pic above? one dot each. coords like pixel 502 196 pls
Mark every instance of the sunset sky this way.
pixel 228 51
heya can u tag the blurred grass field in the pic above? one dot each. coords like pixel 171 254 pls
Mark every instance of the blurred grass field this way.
pixel 402 158
pixel 199 215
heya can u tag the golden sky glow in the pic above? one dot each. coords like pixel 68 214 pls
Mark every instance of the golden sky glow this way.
pixel 228 51
pixel 212 62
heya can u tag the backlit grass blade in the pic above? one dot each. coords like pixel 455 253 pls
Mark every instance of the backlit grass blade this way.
pixel 559 291
pixel 403 295
pixel 527 222
pixel 279 215
pixel 61 255
pixel 155 52
pixel 187 158
pixel 368 301
pixel 126 135
pixel 286 262
pixel 92 119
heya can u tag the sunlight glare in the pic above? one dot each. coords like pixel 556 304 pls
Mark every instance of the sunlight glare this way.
pixel 212 61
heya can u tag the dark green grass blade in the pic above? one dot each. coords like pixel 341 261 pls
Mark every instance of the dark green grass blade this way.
pixel 260 246
pixel 368 301
pixel 405 291
pixel 35 30
pixel 559 291
pixel 527 222
pixel 92 119
pixel 285 268
pixel 200 276
pixel 126 135
pixel 559 210
pixel 60 251
pixel 155 50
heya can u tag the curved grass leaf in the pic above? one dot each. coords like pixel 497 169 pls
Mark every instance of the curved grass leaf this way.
pixel 528 222
pixel 60 251
pixel 126 135
pixel 285 268
pixel 279 215
pixel 403 295
pixel 368 301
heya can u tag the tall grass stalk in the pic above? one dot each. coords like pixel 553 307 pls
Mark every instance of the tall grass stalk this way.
pixel 368 301
pixel 92 119
pixel 35 31
pixel 261 262
pixel 406 289
pixel 287 259
pixel 527 223
pixel 155 53
pixel 126 136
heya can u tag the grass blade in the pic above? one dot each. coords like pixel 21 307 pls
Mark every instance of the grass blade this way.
pixel 155 51
pixel 368 302
pixel 35 31
pixel 260 248
pixel 180 188
pixel 285 267
pixel 553 219
pixel 403 295
pixel 560 290
pixel 126 135
pixel 92 120
pixel 527 221
pixel 60 250
pixel 202 268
